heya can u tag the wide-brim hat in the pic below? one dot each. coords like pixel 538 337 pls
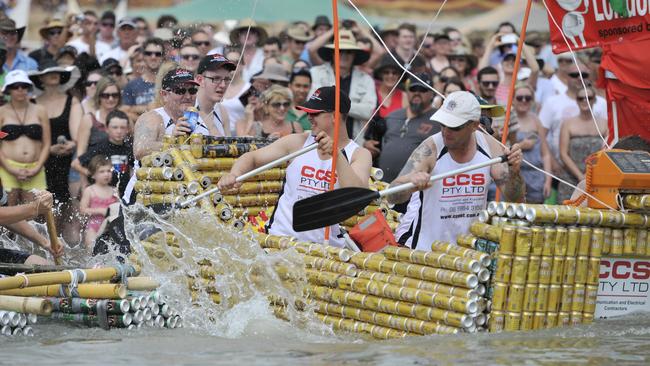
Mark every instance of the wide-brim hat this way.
pixel 273 72
pixel 51 24
pixel 15 77
pixel 68 75
pixel 385 62
pixel 243 26
pixel 300 33
pixel 347 42
pixel 9 25
pixel 472 62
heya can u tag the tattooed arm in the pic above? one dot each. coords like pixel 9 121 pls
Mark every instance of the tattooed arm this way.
pixel 147 136
pixel 417 170
pixel 508 176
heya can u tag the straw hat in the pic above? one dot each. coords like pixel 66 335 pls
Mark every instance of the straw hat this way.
pixel 69 75
pixel 347 42
pixel 51 24
pixel 243 26
pixel 9 25
pixel 300 33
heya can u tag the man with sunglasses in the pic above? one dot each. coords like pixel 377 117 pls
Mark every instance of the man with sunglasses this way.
pixel 139 92
pixel 127 35
pixel 445 208
pixel 106 36
pixel 560 107
pixel 299 35
pixel 214 75
pixel 488 81
pixel 54 37
pixel 309 174
pixel 201 40
pixel 406 128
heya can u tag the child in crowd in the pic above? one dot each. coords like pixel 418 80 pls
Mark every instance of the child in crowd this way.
pixel 97 197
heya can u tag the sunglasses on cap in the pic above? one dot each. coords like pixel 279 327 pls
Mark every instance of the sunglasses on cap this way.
pixel 576 75
pixel 20 86
pixel 182 91
pixel 524 98
pixel 153 53
pixel 190 57
pixel 109 95
pixel 488 84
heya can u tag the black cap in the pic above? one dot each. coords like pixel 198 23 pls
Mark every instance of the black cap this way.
pixel 411 82
pixel 178 76
pixel 213 62
pixel 108 15
pixel 323 100
pixel 66 50
pixel 440 37
pixel 322 20
pixel 109 63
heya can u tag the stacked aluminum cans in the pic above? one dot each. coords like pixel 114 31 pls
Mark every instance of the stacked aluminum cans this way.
pixel 14 324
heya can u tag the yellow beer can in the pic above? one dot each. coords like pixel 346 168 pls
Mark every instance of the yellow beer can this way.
pixel 593 271
pixel 573 241
pixel 545 268
pixel 542 298
pixel 499 295
pixel 515 298
pixel 607 242
pixel 576 318
pixel 563 319
pixel 507 239
pixel 513 321
pixel 591 294
pixel 537 240
pixel 549 239
pixel 587 318
pixel 519 270
pixel 578 301
pixel 533 269
pixel 617 242
pixel 585 240
pixel 569 271
pixel 554 296
pixel 523 242
pixel 567 298
pixel 641 241
pixel 538 320
pixel 497 321
pixel 598 242
pixel 504 268
pixel 530 297
pixel 551 320
pixel 582 266
pixel 556 271
pixel 527 319
pixel 629 241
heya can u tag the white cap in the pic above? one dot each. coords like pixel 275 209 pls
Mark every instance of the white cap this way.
pixel 14 77
pixel 459 108
pixel 524 73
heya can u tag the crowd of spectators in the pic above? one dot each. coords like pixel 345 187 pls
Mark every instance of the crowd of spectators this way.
pixel 95 78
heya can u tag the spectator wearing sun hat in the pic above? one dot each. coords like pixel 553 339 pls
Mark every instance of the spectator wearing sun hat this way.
pixel 251 36
pixel 358 85
pixel 54 35
pixel 16 58
pixel 298 35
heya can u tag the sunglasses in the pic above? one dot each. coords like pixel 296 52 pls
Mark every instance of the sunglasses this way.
pixel 218 80
pixel 89 83
pixel 182 91
pixel 109 95
pixel 20 86
pixel 418 89
pixel 110 25
pixel 190 57
pixel 489 84
pixel 277 105
pixel 524 98
pixel 584 99
pixel 576 75
pixel 153 53
pixel 201 43
pixel 54 32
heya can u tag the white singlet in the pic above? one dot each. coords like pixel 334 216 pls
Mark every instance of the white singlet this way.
pixel 307 175
pixel 168 122
pixel 451 204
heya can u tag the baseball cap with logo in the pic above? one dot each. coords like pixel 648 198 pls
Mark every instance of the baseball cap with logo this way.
pixel 126 21
pixel 323 100
pixel 215 61
pixel 176 77
pixel 458 108
pixel 425 83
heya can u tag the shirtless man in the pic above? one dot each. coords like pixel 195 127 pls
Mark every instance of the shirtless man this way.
pixel 308 174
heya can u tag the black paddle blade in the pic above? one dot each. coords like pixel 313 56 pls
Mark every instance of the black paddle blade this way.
pixel 331 207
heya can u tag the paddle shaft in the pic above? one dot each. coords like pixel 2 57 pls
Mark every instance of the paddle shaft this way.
pixel 409 186
pixel 254 172
pixel 51 231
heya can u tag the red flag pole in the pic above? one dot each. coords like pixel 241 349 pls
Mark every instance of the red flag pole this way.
pixel 513 82
pixel 337 102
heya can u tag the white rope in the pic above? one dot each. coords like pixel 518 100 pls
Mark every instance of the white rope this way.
pixel 404 70
pixel 241 55
pixel 575 61
pixel 552 175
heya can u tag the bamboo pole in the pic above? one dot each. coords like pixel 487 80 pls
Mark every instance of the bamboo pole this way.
pixel 86 291
pixel 26 305
pixel 51 231
pixel 142 284
pixel 14 268
pixel 65 277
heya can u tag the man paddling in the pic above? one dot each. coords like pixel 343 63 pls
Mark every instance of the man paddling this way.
pixel 446 208
pixel 309 174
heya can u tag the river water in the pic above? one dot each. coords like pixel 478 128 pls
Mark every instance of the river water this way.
pixel 245 331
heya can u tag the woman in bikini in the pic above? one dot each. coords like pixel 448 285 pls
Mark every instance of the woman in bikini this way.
pixel 26 145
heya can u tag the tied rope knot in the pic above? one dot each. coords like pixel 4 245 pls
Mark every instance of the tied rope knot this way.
pixel 25 278
pixel 76 276
pixel 123 273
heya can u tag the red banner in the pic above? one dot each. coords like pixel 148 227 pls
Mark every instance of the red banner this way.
pixel 592 23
